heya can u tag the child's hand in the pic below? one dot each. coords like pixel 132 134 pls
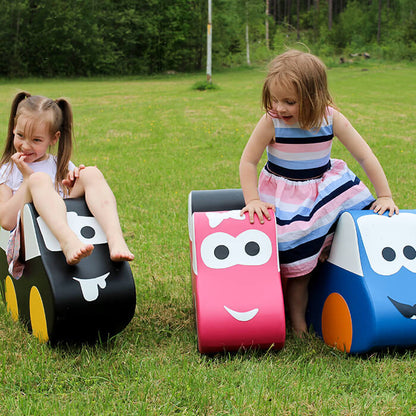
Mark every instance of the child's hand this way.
pixel 19 160
pixel 383 204
pixel 260 208
pixel 72 176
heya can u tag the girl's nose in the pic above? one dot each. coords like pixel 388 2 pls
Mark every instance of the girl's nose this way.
pixel 280 107
pixel 24 146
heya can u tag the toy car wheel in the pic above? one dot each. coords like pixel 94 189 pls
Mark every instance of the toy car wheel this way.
pixel 11 298
pixel 337 323
pixel 37 315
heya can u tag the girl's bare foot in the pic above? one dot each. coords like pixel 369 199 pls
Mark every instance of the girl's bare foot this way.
pixel 299 332
pixel 122 256
pixel 119 250
pixel 75 252
pixel 298 325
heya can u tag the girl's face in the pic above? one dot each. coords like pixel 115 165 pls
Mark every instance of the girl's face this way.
pixel 32 139
pixel 285 103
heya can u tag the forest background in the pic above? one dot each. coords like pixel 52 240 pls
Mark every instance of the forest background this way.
pixel 50 38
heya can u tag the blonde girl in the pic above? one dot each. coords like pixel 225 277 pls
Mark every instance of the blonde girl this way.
pixel 305 187
pixel 29 173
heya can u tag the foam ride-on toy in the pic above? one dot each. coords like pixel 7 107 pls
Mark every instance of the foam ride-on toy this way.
pixel 364 297
pixel 238 299
pixel 91 300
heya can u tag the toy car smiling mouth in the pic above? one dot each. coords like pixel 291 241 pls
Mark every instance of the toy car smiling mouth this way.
pixel 94 299
pixel 242 316
pixel 406 310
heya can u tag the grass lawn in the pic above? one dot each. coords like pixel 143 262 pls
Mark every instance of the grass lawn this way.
pixel 156 139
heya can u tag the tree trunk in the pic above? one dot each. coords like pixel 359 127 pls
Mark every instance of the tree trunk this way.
pixel 316 18
pixel 297 20
pixel 247 46
pixel 288 11
pixel 267 25
pixel 329 14
pixel 379 21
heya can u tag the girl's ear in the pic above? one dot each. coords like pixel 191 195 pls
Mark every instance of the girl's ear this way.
pixel 56 137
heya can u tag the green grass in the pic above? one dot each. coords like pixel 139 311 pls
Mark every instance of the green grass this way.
pixel 156 139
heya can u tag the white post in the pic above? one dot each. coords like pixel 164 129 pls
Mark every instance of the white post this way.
pixel 209 43
pixel 247 37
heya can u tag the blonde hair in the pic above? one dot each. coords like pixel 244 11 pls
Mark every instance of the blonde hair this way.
pixel 58 116
pixel 307 75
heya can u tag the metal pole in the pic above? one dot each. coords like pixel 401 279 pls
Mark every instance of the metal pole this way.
pixel 209 43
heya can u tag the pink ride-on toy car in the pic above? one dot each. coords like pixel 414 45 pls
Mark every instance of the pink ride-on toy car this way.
pixel 236 283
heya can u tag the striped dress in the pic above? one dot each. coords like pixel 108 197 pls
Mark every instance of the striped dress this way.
pixel 309 191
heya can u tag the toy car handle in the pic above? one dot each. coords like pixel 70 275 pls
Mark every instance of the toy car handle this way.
pixel 216 200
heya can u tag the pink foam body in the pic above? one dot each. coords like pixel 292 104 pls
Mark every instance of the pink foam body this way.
pixel 238 300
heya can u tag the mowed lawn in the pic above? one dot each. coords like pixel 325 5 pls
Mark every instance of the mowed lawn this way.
pixel 156 139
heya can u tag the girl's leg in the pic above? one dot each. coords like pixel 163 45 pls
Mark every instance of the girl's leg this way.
pixel 52 209
pixel 297 301
pixel 325 254
pixel 102 204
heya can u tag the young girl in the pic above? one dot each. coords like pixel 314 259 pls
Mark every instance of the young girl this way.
pixel 28 173
pixel 306 189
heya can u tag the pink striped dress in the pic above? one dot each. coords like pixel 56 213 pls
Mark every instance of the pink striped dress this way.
pixel 309 190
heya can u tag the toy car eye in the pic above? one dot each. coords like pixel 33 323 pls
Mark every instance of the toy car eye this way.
pixel 217 249
pixel 390 242
pixel 221 252
pixel 87 232
pixel 250 248
pixel 255 248
pixel 409 252
pixel 388 254
pixel 86 229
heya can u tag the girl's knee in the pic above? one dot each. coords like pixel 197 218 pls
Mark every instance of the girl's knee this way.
pixel 37 179
pixel 90 173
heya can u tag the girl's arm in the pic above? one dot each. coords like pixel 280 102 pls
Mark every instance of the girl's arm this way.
pixel 11 204
pixel 262 135
pixel 361 151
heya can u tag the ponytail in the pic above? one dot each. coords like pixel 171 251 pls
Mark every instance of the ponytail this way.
pixel 9 146
pixel 64 142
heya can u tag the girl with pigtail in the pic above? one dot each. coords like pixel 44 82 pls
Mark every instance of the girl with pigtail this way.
pixel 29 173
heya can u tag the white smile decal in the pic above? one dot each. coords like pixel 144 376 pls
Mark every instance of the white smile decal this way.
pixel 89 287
pixel 242 316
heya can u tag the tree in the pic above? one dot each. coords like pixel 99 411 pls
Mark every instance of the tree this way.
pixel 90 37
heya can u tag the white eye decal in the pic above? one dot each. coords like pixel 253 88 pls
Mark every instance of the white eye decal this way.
pixel 390 242
pixel 250 248
pixel 87 230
